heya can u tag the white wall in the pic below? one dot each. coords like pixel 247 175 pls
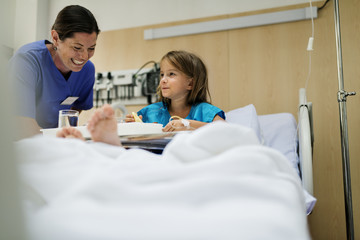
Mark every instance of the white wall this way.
pixel 31 21
pixel 11 222
pixel 34 18
pixel 42 23
pixel 119 14
pixel 25 22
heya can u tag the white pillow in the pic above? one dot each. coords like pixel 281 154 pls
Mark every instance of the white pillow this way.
pixel 280 132
pixel 273 130
pixel 245 116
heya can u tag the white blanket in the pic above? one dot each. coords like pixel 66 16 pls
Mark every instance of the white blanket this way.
pixel 214 183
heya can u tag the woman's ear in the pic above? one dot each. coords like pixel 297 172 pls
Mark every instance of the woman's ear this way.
pixel 55 37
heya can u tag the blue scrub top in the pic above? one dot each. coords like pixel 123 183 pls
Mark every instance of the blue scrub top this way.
pixel 157 112
pixel 40 87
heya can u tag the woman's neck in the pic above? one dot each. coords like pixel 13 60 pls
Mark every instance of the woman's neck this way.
pixel 57 61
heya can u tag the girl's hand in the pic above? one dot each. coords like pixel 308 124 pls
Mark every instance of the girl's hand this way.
pixel 130 118
pixel 175 125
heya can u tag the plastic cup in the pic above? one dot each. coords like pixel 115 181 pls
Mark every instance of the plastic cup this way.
pixel 68 118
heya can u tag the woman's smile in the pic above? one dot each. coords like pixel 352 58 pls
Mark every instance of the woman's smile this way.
pixel 76 62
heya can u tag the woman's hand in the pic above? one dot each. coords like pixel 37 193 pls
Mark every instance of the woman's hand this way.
pixel 69 132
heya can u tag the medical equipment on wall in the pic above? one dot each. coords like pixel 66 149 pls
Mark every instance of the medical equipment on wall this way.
pixel 128 87
pixel 97 89
pixel 150 80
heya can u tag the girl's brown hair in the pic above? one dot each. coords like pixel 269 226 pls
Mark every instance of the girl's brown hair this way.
pixel 193 67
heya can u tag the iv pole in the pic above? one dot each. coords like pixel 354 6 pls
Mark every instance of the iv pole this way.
pixel 342 94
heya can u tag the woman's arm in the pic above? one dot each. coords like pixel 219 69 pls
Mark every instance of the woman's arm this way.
pixel 28 127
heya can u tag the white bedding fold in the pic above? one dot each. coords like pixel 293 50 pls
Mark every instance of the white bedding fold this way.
pixel 214 183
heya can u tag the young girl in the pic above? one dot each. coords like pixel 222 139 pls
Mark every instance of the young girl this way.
pixel 183 92
pixel 183 104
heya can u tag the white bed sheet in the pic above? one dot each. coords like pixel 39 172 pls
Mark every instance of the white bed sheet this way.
pixel 202 187
pixel 278 131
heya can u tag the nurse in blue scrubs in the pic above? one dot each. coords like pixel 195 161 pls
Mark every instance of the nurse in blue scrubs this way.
pixel 50 76
pixel 183 95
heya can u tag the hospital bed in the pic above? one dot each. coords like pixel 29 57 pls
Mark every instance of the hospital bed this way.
pixel 235 180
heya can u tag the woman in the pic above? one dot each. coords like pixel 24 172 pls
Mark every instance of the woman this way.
pixel 183 92
pixel 50 76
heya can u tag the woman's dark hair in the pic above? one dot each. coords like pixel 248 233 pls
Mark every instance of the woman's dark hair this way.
pixel 193 67
pixel 73 19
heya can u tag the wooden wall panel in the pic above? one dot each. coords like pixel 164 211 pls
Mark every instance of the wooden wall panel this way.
pixel 126 49
pixel 328 186
pixel 266 66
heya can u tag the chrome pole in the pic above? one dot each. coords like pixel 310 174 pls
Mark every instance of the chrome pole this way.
pixel 342 94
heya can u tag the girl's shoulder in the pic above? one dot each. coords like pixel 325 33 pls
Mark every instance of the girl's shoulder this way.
pixel 204 105
pixel 207 110
pixel 157 105
pixel 154 107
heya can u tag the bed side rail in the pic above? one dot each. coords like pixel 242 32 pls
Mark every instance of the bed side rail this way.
pixel 306 139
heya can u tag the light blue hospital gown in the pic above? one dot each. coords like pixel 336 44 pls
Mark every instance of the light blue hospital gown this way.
pixel 158 112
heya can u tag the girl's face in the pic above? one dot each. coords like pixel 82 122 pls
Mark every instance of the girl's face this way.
pixel 73 53
pixel 174 83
